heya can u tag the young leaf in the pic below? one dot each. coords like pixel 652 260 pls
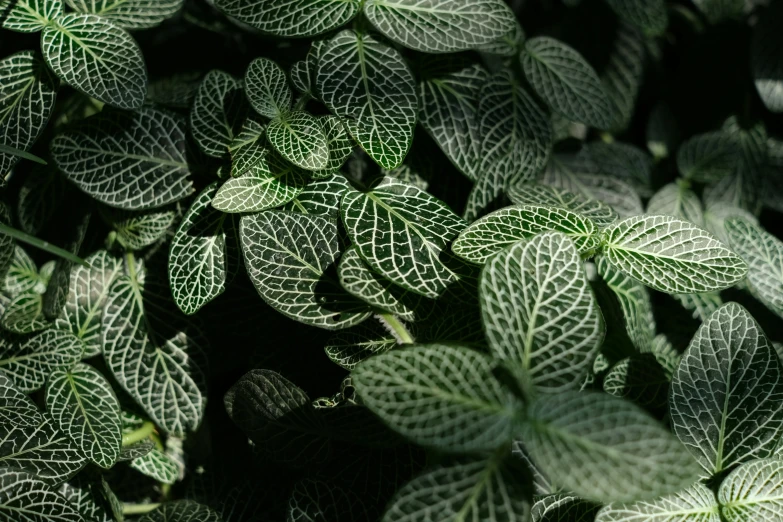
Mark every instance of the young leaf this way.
pixel 648 15
pixel 349 347
pixel 288 256
pixel 753 491
pixel 441 26
pixel 203 254
pixel 675 200
pixel 218 113
pixel 129 14
pixel 83 404
pixel 22 276
pixel 605 449
pixel 402 232
pixel 29 16
pixel 671 256
pixel 539 312
pixel 545 195
pixel 157 465
pixel 136 230
pixel 726 394
pixel 130 160
pixel 564 79
pixel 496 231
pixel 77 43
pixel 294 18
pixel 428 393
pixel 267 88
pixel 299 138
pixel 693 504
pixel 470 489
pixel 30 361
pixel 23 496
pixel 368 83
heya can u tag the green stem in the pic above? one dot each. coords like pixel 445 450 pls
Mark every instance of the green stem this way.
pixel 139 435
pixel 43 245
pixel 5 149
pixel 138 509
pixel 396 327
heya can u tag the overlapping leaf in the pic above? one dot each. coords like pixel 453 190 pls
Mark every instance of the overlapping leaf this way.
pixel 133 14
pixel 136 230
pixel 29 361
pixel 299 137
pixel 349 347
pixel 545 195
pixel 635 303
pixel 320 198
pixel 622 77
pixel 267 88
pixel 291 17
pixel 39 198
pixel 29 16
pixel 15 407
pixel 693 504
pixel 24 495
pixel 564 507
pixel 754 491
pixel 218 113
pixel 678 201
pixel 708 157
pixel 157 465
pixel 182 511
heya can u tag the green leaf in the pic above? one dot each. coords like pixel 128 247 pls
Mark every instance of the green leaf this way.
pixel 267 88
pixel 449 94
pixel 369 84
pixel 41 450
pixel 441 26
pixel 313 499
pixel 203 254
pixel 767 58
pixel 496 231
pixel 623 74
pixel 85 495
pixel 136 230
pixel 182 511
pixel 24 496
pixel 339 143
pixel 717 11
pixel 545 195
pixel 564 508
pixel 716 217
pixel 152 353
pixel 176 91
pixel 753 492
pixel 539 312
pixel 702 305
pixel 40 196
pixel 27 95
pixel 248 148
pixel 130 160
pixel 671 256
pixel 83 405
pixel 296 18
pixel 349 347
pixel 472 489
pixel 22 275
pixel 299 138
pixel 156 465
pixel 648 15
pixel 676 200
pixel 708 157
pixel 24 314
pixel 130 14
pixel 763 253
pixel 271 182
pixel 640 379
pixel 29 362
pixel 507 45
pixel 218 113
pixel 625 162
pixel 16 408
pixel 320 198
pixel 605 449
pixel 288 258
pixel 428 393
pixel 29 16
pixel 402 232
pixel 77 43
pixel 568 84
pixel 693 504
pixel 300 77
pixel 5 149
pixel 726 394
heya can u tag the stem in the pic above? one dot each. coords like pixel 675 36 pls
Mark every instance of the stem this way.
pixel 138 509
pixel 396 327
pixel 139 435
pixel 43 245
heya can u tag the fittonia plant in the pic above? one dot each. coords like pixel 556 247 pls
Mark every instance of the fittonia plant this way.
pixel 529 317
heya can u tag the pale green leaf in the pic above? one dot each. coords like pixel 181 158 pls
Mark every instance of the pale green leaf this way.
pixel 754 491
pixel 156 465
pixel 29 361
pixel 130 14
pixel 218 113
pixel 291 17
pixel 648 15
pixel 29 16
pixel 23 496
pixel 267 88
pixel 22 276
pixel 693 504
pixel 623 74
pixel 299 138
pixel 349 347
pixel 545 195
pixel 136 230
pixel 676 200
pixel 726 394
pixel 767 58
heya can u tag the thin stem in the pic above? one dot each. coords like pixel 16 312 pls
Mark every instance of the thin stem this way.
pixel 139 435
pixel 5 149
pixel 40 243
pixel 138 509
pixel 396 327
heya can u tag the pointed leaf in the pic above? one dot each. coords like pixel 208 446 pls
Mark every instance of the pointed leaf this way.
pixel 545 195
pixel 293 18
pixel 299 138
pixel 693 504
pixel 753 492
pixel 29 362
pixel 24 496
pixel 267 88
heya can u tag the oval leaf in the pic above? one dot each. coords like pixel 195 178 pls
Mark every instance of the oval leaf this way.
pixel 130 14
pixel 293 18
pixel 299 138
pixel 754 491
pixel 25 497
pixel 29 362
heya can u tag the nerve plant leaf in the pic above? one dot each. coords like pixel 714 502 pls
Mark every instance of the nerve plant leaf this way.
pixel 678 201
pixel 299 138
pixel 267 88
pixel 218 113
pixel 753 491
pixel 349 347
pixel 443 25
pixel 559 507
pixel 129 14
pixel 77 43
pixel 29 16
pixel 693 504
pixel 157 465
pixel 671 255
pixel 29 361
pixel 24 495
pixel 182 511
pixel 292 18
pixel 539 312
pixel 545 195
pixel 635 303
pixel 136 230
pixel 16 408
pixel 708 157
pixel 767 59
pixel 725 397
pixel 288 257
pixel 320 198
pixel 130 160
pixel 605 449
pixel 368 83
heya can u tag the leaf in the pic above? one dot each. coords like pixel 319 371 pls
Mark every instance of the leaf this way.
pixel 441 26
pixel 763 253
pixel 25 495
pixel 76 43
pixel 718 10
pixel 300 77
pixel 349 347
pixel 137 230
pixel 767 59
pixel 156 465
pixel 671 256
pixel 623 74
pixel 753 492
pixel 181 511
pixel 648 15
pixel 29 362
pixel 83 404
pixel 320 198
pixel 708 157
pixel 288 258
pixel 507 45
pixel 440 396
pixel 129 14
pixel 29 16
pixel 296 18
pixel 539 312
pixel 702 305
pixel 564 507
pixel 16 408
pixel 40 196
pixel 299 138
pixel 134 161
pixel 85 495
pixel 545 195
pixel 640 379
pixel 625 162
pixel 218 113
pixel 269 183
pixel 496 231
pixel 27 95
pixel 693 504
pixel 339 143
pixel 568 84
pixel 42 450
pixel 203 254
pixel 267 88
pixel 319 500
pixel 152 353
pixel 678 201
pixel 87 295
pixel 22 276
pixel 471 489
pixel 724 400
pixel 369 84
pixel 605 449
pixel 397 227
